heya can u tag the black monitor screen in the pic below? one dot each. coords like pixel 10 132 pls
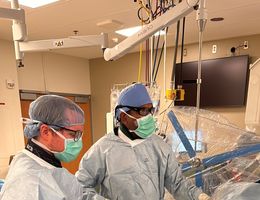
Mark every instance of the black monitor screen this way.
pixel 224 81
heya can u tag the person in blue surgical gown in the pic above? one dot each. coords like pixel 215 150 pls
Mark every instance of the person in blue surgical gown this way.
pixel 132 162
pixel 54 133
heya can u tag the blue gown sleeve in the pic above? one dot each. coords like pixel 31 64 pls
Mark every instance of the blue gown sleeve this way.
pixel 180 187
pixel 91 172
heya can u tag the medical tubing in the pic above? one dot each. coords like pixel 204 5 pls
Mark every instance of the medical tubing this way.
pixel 175 54
pixel 142 6
pixel 140 59
pixel 158 64
pixel 160 57
pixel 147 62
pixel 151 58
pixel 164 61
pixel 140 63
pixel 182 47
pixel 155 57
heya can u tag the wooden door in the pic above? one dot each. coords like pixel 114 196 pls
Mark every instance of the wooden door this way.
pixel 87 135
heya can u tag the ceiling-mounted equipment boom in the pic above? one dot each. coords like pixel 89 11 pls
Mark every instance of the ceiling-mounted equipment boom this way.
pixel 70 42
pixel 173 15
pixel 20 36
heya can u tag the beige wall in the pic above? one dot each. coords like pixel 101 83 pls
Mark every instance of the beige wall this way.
pixel 105 74
pixel 10 113
pixel 54 73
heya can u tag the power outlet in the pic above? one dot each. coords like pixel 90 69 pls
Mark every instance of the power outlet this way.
pixel 245 44
pixel 10 84
pixel 214 48
pixel 184 52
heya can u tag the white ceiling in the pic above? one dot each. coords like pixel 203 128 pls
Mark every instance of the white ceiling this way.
pixel 58 20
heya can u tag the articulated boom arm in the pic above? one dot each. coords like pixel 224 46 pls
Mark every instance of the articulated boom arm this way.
pixel 176 13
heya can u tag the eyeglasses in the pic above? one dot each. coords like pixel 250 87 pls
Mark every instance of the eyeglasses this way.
pixel 75 134
pixel 140 110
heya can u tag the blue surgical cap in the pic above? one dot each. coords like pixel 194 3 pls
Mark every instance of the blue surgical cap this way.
pixel 135 95
pixel 52 110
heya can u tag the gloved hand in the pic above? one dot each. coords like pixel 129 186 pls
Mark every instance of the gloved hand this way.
pixel 204 196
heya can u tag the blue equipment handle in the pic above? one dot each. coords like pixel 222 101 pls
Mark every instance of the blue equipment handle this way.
pixel 223 157
pixel 185 141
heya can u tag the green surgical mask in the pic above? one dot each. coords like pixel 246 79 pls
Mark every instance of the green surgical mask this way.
pixel 145 125
pixel 71 149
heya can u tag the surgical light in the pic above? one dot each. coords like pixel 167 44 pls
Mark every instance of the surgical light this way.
pixel 35 3
pixel 131 31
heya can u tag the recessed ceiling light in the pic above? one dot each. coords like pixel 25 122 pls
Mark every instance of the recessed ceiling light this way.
pixel 110 24
pixel 217 19
pixel 131 31
pixel 35 3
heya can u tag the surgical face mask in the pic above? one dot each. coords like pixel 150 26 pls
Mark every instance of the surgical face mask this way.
pixel 145 125
pixel 71 149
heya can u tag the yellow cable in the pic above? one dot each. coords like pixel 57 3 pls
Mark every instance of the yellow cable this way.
pixel 148 12
pixel 140 62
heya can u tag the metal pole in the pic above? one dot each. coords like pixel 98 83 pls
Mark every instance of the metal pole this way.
pixel 202 19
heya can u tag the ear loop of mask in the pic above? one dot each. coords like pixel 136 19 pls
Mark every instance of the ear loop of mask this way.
pixel 132 118
pixel 58 133
pixel 42 146
pixel 63 137
pixel 45 147
pixel 128 114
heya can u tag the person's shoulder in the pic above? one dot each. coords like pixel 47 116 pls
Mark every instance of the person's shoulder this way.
pixel 157 139
pixel 23 162
pixel 23 170
pixel 160 143
pixel 106 139
pixel 31 183
pixel 103 143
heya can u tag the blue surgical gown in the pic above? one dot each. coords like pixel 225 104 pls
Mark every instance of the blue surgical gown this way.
pixel 31 178
pixel 141 172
